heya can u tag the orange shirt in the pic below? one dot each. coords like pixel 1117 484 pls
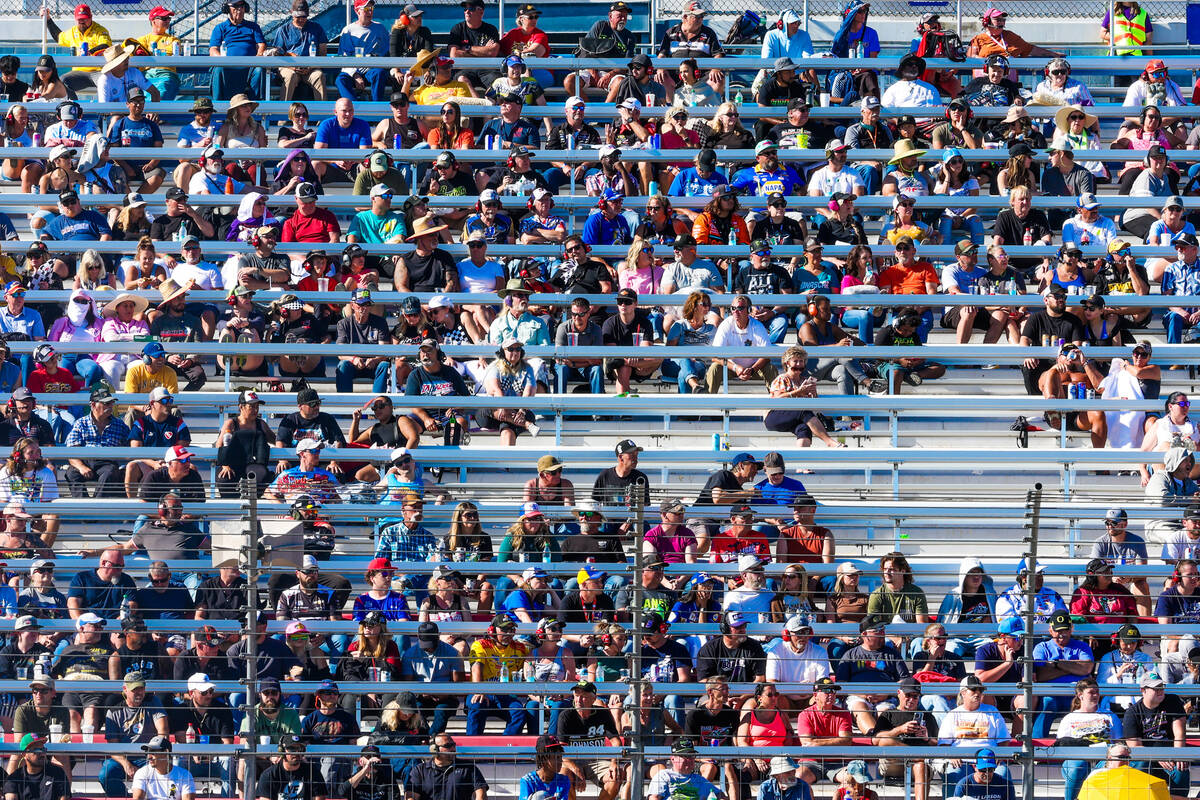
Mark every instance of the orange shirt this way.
pixel 907 280
pixel 1009 45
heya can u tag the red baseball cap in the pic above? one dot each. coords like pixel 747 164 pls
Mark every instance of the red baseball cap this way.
pixel 360 3
pixel 379 564
pixel 159 11
pixel 83 11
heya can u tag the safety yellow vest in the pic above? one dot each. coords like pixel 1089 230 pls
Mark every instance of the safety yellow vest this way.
pixel 1129 34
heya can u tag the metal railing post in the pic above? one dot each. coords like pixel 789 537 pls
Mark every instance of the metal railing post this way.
pixel 635 498
pixel 1034 504
pixel 250 486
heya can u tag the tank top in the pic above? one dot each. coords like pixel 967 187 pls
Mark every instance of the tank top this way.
pixel 770 734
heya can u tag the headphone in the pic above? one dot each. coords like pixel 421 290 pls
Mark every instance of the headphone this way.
pixel 479 206
pixel 970 111
pixel 367 158
pixel 146 359
pixel 1056 62
pixel 587 248
pixel 350 253
pixel 492 630
pixel 529 202
pixel 726 628
pixel 58 110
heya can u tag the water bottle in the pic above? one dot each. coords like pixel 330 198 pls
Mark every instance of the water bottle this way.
pixel 737 99
pixel 653 188
pixel 43 667
pixel 190 736
pixel 1027 239
pixel 732 235
pixel 1084 239
pixel 312 49
pixel 125 608
pixel 505 675
pixel 656 140
pixel 83 48
pixel 570 141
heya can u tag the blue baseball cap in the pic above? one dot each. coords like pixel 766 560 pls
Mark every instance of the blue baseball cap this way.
pixel 154 350
pixel 985 759
pixel 1013 626
pixel 328 686
pixel 949 153
pixel 746 458
pixel 611 195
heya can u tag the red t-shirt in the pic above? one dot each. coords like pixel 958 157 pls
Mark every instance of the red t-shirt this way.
pixel 517 36
pixel 726 547
pixel 316 228
pixel 823 724
pixel 61 382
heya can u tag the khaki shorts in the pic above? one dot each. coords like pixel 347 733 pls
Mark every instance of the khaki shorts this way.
pixel 597 771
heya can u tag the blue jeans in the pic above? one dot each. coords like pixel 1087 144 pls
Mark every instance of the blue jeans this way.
pixel 937 705
pixel 503 706
pixel 213 768
pixel 226 82
pixel 88 370
pixel 687 368
pixel 166 82
pixel 777 328
pixel 972 225
pixel 112 776
pixel 1074 773
pixel 1050 709
pixel 376 80
pixel 346 373
pixel 593 376
pixel 442 709
pixel 1175 325
pixel 553 709
pixel 864 320
pixel 870 176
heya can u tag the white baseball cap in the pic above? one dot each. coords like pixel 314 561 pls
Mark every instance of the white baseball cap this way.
pixel 200 683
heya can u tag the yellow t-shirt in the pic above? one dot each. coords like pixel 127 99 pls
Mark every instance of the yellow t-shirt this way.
pixel 140 379
pixel 436 95
pixel 490 656
pixel 167 44
pixel 97 39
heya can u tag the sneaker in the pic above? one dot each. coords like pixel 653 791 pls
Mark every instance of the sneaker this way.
pixel 912 379
pixel 533 429
pixel 878 386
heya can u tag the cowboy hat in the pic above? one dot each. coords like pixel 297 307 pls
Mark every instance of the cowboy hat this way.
pixel 903 149
pixel 114 57
pixel 424 59
pixel 239 100
pixel 140 304
pixel 1015 113
pixel 170 289
pixel 1060 118
pixel 514 286
pixel 424 227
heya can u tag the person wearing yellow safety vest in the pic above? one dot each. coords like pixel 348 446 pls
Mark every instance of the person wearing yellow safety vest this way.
pixel 86 38
pixel 1130 32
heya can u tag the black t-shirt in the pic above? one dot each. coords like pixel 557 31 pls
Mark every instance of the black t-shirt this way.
pixel 609 488
pixel 166 227
pixel 785 134
pixel 428 273
pixel 724 480
pixel 170 328
pixel 711 728
pixel 149 659
pixel 14 92
pixel 585 278
pixel 573 609
pixel 35 427
pixel 277 783
pixel 12 659
pixel 833 231
pixel 1153 726
pixel 626 40
pixel 217 720
pixel 463 36
pixel 772 94
pixel 460 184
pixel 373 331
pixel 887 337
pixel 323 428
pixel 304 329
pixel 860 665
pixel 894 718
pixel 604 547
pixel 772 280
pixel 1040 323
pixel 188 664
pixel 616 332
pixel 220 601
pixel 661 664
pixel 50 783
pixel 159 483
pixel 982 92
pixel 742 663
pixel 586 136
pixel 379 785
pixel 1011 229
pixel 257 263
pixel 786 231
pixel 997 284
pixel 574 730
pixel 90 659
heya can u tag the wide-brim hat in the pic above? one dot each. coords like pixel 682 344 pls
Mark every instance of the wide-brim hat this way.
pixel 114 57
pixel 904 149
pixel 110 308
pixel 424 59
pixel 424 227
pixel 170 289
pixel 1060 118
pixel 514 286
pixel 239 100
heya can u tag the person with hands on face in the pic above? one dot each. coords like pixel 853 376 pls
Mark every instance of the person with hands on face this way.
pixel 373 779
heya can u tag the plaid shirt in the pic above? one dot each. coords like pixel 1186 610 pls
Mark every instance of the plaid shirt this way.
pixel 400 543
pixel 84 434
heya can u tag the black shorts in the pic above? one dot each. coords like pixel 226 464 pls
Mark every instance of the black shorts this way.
pixel 982 321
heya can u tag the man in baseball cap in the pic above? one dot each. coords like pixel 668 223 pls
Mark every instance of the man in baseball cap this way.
pixel 614 485
pixel 87 38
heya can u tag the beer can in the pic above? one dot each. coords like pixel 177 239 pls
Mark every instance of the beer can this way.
pixel 1080 390
pixel 1091 394
pixel 396 140
pixel 1045 340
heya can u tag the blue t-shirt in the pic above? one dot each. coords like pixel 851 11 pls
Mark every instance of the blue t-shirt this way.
pixel 7 231
pixel 86 226
pixel 998 788
pixel 101 597
pixel 521 599
pixel 752 180
pixel 1174 606
pixel 600 230
pixel 522 131
pixel 1049 651
pixel 690 183
pixel 142 133
pixel 393 607
pixel 28 322
pixel 190 135
pixel 301 41
pixel 9 373
pixel 559 787
pixel 373 40
pixel 333 135
pixel 781 495
pixel 238 40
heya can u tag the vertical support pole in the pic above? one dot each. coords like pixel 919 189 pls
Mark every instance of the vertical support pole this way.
pixel 635 498
pixel 1033 505
pixel 250 486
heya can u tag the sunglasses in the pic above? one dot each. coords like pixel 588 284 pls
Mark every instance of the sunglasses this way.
pixel 901 248
pixel 740 308
pixel 1184 403
pixel 1059 72
pixel 624 302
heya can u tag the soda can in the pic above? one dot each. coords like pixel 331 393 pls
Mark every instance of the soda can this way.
pixel 1071 391
pixel 83 48
pixel 1060 342
pixel 396 142
pixel 717 441
pixel 655 140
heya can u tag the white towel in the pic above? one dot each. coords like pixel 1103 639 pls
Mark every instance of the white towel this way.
pixel 1124 427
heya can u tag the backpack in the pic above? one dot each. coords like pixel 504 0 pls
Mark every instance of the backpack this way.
pixel 941 44
pixel 748 28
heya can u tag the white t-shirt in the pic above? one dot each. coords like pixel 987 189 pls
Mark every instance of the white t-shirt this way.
pixel 749 601
pixel 786 666
pixel 729 335
pixel 1180 546
pixel 41 487
pixel 910 94
pixel 1165 430
pixel 206 275
pixel 1102 231
pixel 981 727
pixel 115 90
pixel 479 278
pixel 825 182
pixel 175 785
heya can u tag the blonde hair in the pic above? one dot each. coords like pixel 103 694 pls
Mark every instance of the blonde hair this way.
pixel 630 264
pixel 718 123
